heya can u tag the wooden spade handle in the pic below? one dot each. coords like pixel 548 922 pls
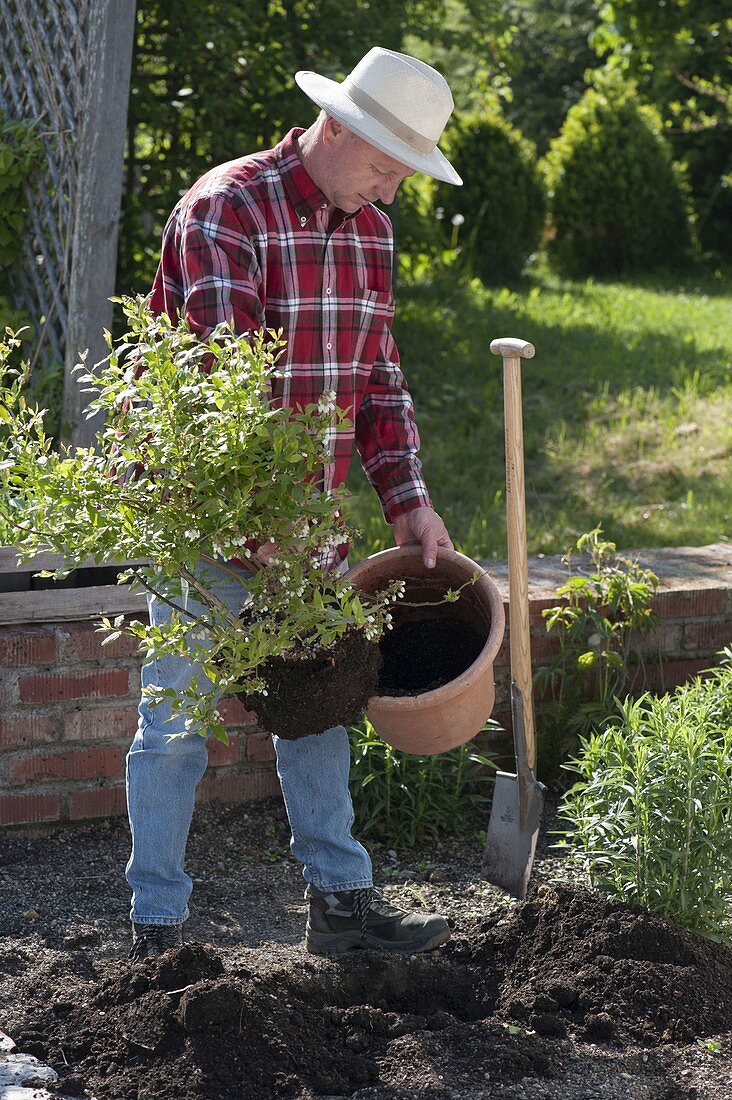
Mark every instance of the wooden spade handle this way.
pixel 513 351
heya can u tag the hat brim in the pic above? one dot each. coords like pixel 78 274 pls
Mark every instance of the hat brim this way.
pixel 329 95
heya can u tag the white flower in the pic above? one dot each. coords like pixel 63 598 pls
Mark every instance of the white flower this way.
pixel 440 213
pixel 327 401
pixel 457 219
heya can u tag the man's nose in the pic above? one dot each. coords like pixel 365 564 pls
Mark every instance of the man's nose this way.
pixel 387 191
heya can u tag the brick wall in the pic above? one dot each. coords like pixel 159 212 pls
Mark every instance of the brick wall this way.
pixel 68 707
pixel 68 711
pixel 693 604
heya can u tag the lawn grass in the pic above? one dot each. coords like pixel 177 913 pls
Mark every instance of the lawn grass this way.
pixel 627 409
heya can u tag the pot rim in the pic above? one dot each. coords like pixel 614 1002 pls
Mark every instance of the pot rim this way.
pixel 488 593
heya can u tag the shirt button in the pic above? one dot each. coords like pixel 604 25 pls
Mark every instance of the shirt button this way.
pixel 327 290
pixel 328 346
pixel 324 206
pixel 303 220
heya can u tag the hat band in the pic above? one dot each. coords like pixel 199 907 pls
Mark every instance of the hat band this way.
pixel 400 129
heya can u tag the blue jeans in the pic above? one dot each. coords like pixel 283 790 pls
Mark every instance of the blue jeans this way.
pixel 162 775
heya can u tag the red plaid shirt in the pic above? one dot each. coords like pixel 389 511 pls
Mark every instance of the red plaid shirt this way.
pixel 253 240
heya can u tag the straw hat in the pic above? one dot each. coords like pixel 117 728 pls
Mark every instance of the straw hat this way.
pixel 396 103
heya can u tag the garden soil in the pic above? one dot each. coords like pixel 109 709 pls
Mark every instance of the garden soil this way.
pixel 565 995
pixel 313 690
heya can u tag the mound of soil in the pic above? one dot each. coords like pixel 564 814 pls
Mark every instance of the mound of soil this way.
pixel 571 960
pixel 497 1004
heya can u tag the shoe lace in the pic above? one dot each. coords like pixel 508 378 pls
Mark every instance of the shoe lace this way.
pixel 362 900
pixel 161 935
pixel 368 899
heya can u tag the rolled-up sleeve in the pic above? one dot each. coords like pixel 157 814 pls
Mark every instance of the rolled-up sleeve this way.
pixel 387 438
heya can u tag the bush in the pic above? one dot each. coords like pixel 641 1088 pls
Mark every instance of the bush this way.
pixel 20 154
pixel 502 200
pixel 617 201
pixel 400 798
pixel 652 812
pixel 46 380
pixel 192 461
pixel 419 240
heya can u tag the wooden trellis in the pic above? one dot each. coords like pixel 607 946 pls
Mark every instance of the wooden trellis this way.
pixel 66 63
pixel 42 79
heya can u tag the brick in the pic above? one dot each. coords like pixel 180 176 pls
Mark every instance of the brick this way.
pixel 27 729
pixel 544 645
pixel 26 647
pixel 695 603
pixel 97 802
pixel 81 642
pixel 220 754
pixel 82 764
pixel 239 788
pixel 709 636
pixel 234 713
pixel 21 809
pixel 665 640
pixel 260 747
pixel 503 693
pixel 672 673
pixel 101 724
pixel 53 687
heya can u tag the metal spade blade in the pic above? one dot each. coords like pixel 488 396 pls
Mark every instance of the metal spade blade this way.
pixel 518 803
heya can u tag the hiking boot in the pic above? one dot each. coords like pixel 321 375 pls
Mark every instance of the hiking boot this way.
pixel 150 940
pixel 364 918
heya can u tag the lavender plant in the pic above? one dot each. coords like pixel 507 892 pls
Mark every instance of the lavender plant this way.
pixel 651 814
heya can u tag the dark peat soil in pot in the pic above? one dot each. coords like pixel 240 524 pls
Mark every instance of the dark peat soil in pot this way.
pixel 564 965
pixel 312 690
pixel 425 654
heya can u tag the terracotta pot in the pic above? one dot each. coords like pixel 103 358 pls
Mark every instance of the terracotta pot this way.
pixel 448 716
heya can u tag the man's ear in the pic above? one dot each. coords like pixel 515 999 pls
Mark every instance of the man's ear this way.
pixel 333 130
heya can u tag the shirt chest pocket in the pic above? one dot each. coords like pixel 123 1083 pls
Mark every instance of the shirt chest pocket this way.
pixel 373 309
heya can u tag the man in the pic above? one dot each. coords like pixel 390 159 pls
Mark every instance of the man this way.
pixel 289 238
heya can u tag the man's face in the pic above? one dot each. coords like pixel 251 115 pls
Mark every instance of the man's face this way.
pixel 358 172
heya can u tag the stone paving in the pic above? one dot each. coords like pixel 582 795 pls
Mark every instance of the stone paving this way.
pixel 17 1069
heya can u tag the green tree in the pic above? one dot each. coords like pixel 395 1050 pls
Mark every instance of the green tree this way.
pixel 617 202
pixel 550 54
pixel 213 80
pixel 678 55
pixel 472 49
pixel 499 210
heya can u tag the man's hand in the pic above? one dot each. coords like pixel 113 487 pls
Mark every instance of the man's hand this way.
pixel 424 527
